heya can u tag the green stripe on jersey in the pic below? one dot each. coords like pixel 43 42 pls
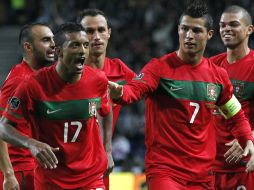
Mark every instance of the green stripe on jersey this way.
pixel 243 89
pixel 73 109
pixel 11 113
pixel 190 90
pixel 121 82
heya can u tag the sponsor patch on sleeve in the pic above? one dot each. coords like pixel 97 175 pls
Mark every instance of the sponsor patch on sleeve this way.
pixel 14 103
pixel 139 77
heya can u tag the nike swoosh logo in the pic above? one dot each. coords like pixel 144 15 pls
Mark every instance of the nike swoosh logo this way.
pixel 175 89
pixel 52 111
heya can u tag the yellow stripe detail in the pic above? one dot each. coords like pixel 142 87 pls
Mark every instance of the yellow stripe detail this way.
pixel 231 108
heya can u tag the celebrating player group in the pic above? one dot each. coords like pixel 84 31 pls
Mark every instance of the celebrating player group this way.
pixel 60 105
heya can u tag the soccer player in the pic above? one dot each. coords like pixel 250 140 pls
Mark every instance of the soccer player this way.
pixel 98 31
pixel 61 103
pixel 235 30
pixel 38 49
pixel 181 90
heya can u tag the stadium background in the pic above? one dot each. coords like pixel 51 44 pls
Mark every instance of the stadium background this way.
pixel 141 29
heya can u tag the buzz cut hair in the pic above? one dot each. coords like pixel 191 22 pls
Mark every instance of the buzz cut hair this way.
pixel 62 30
pixel 238 9
pixel 198 9
pixel 92 13
pixel 25 34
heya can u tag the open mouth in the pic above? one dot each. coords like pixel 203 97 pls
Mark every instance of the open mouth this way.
pixel 51 54
pixel 80 63
pixel 81 60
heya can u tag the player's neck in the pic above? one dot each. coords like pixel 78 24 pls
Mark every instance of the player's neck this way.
pixel 67 76
pixel 190 58
pixel 96 62
pixel 32 64
pixel 237 53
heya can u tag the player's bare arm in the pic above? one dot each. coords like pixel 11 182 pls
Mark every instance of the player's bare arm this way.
pixel 41 151
pixel 10 181
pixel 107 123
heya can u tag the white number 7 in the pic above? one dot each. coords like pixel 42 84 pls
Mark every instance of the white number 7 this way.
pixel 66 129
pixel 196 105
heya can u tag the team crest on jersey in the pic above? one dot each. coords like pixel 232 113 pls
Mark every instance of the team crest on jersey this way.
pixel 92 108
pixel 14 103
pixel 238 88
pixel 212 92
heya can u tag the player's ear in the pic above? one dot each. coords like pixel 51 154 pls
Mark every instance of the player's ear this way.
pixel 210 34
pixel 109 32
pixel 59 52
pixel 27 46
pixel 250 29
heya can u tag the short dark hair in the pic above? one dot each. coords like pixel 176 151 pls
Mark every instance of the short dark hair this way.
pixel 93 13
pixel 238 9
pixel 198 9
pixel 25 34
pixel 62 30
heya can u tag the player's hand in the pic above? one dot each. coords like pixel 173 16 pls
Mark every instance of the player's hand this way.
pixel 10 183
pixel 43 153
pixel 116 90
pixel 249 150
pixel 234 153
pixel 111 164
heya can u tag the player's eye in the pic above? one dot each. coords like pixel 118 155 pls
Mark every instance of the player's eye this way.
pixel 89 31
pixel 86 44
pixel 102 29
pixel 197 30
pixel 74 45
pixel 184 28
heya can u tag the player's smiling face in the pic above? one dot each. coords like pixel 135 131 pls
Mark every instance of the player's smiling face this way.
pixel 75 51
pixel 193 35
pixel 98 33
pixel 233 29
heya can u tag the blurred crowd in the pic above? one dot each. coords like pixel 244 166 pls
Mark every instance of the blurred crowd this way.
pixel 141 29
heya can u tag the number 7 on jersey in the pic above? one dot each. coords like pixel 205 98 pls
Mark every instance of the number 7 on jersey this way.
pixel 196 105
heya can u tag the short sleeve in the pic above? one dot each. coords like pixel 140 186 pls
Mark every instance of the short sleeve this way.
pixel 19 104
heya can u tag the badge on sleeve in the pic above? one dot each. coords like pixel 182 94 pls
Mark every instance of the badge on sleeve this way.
pixel 14 103
pixel 139 77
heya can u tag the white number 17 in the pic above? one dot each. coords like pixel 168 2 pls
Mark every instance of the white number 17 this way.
pixel 196 105
pixel 66 129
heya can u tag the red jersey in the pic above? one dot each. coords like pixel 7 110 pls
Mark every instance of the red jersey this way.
pixel 118 72
pixel 242 79
pixel 21 158
pixel 64 115
pixel 180 138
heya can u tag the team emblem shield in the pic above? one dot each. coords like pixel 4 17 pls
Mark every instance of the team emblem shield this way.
pixel 238 88
pixel 212 91
pixel 92 108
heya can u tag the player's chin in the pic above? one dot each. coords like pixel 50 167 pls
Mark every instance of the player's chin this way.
pixel 79 71
pixel 190 50
pixel 50 60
